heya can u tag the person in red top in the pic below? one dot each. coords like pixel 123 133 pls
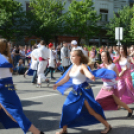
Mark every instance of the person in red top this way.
pixel 101 49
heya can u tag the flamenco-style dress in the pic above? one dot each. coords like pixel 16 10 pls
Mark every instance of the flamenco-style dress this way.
pixel 9 100
pixel 74 112
pixel 109 88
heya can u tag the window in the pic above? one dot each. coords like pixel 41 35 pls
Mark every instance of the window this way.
pixel 104 14
pixel 28 8
pixel 70 1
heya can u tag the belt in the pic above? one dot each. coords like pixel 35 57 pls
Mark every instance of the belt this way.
pixel 80 93
pixel 41 59
pixel 76 93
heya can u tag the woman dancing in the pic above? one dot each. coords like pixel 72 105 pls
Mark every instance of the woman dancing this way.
pixel 108 96
pixel 80 107
pixel 11 113
pixel 125 85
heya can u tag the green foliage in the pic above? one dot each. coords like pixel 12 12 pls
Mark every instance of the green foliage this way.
pixel 121 19
pixel 90 47
pixel 81 19
pixel 48 17
pixel 132 24
pixel 12 19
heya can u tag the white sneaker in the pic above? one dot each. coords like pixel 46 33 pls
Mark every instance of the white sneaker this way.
pixel 38 86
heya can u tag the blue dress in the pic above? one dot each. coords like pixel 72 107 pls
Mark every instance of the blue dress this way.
pixel 74 112
pixel 11 102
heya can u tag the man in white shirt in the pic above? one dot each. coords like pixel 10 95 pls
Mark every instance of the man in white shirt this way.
pixel 34 63
pixel 52 62
pixel 43 54
pixel 65 56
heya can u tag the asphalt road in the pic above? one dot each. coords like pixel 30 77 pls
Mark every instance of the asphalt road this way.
pixel 43 108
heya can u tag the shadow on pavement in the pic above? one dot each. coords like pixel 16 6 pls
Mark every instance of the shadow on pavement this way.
pixel 45 121
pixel 119 130
pixel 26 103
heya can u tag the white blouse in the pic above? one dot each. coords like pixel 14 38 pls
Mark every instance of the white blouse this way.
pixel 77 77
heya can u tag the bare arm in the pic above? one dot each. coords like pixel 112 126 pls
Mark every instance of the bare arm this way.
pixel 87 73
pixel 64 80
pixel 131 60
pixel 116 71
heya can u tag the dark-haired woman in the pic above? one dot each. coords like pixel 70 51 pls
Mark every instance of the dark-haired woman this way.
pixel 80 107
pixel 125 85
pixel 11 113
pixel 108 96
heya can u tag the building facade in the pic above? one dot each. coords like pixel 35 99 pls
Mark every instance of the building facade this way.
pixel 104 7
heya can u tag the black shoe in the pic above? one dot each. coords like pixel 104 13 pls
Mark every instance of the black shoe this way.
pixel 42 133
pixel 130 115
pixel 53 78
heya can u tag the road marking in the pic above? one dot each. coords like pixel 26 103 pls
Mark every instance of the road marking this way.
pixel 37 97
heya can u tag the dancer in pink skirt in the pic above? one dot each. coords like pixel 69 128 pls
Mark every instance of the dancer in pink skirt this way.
pixel 125 85
pixel 108 96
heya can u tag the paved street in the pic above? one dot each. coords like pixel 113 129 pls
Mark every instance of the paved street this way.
pixel 43 107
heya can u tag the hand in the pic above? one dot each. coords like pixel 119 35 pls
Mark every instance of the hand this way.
pixel 98 65
pixel 125 68
pixel 54 87
pixel 92 78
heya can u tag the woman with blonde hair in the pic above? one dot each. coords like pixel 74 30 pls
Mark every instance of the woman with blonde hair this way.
pixel 80 107
pixel 11 113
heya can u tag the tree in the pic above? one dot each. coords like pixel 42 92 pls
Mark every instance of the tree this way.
pixel 48 18
pixel 81 19
pixel 121 19
pixel 12 20
pixel 132 24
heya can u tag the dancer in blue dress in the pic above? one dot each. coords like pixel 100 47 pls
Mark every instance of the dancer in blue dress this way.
pixel 80 107
pixel 11 112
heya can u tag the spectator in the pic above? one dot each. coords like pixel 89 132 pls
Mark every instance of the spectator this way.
pixel 115 51
pixel 65 56
pixel 86 52
pixel 110 50
pixel 22 54
pixel 59 51
pixel 16 55
pixel 28 50
pixel 95 50
pixel 21 67
pixel 92 57
pixel 100 51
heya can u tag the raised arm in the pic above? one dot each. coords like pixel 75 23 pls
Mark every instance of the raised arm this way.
pixel 116 71
pixel 131 60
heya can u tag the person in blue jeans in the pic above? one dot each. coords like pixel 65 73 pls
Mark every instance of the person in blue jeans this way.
pixel 16 55
pixel 21 67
